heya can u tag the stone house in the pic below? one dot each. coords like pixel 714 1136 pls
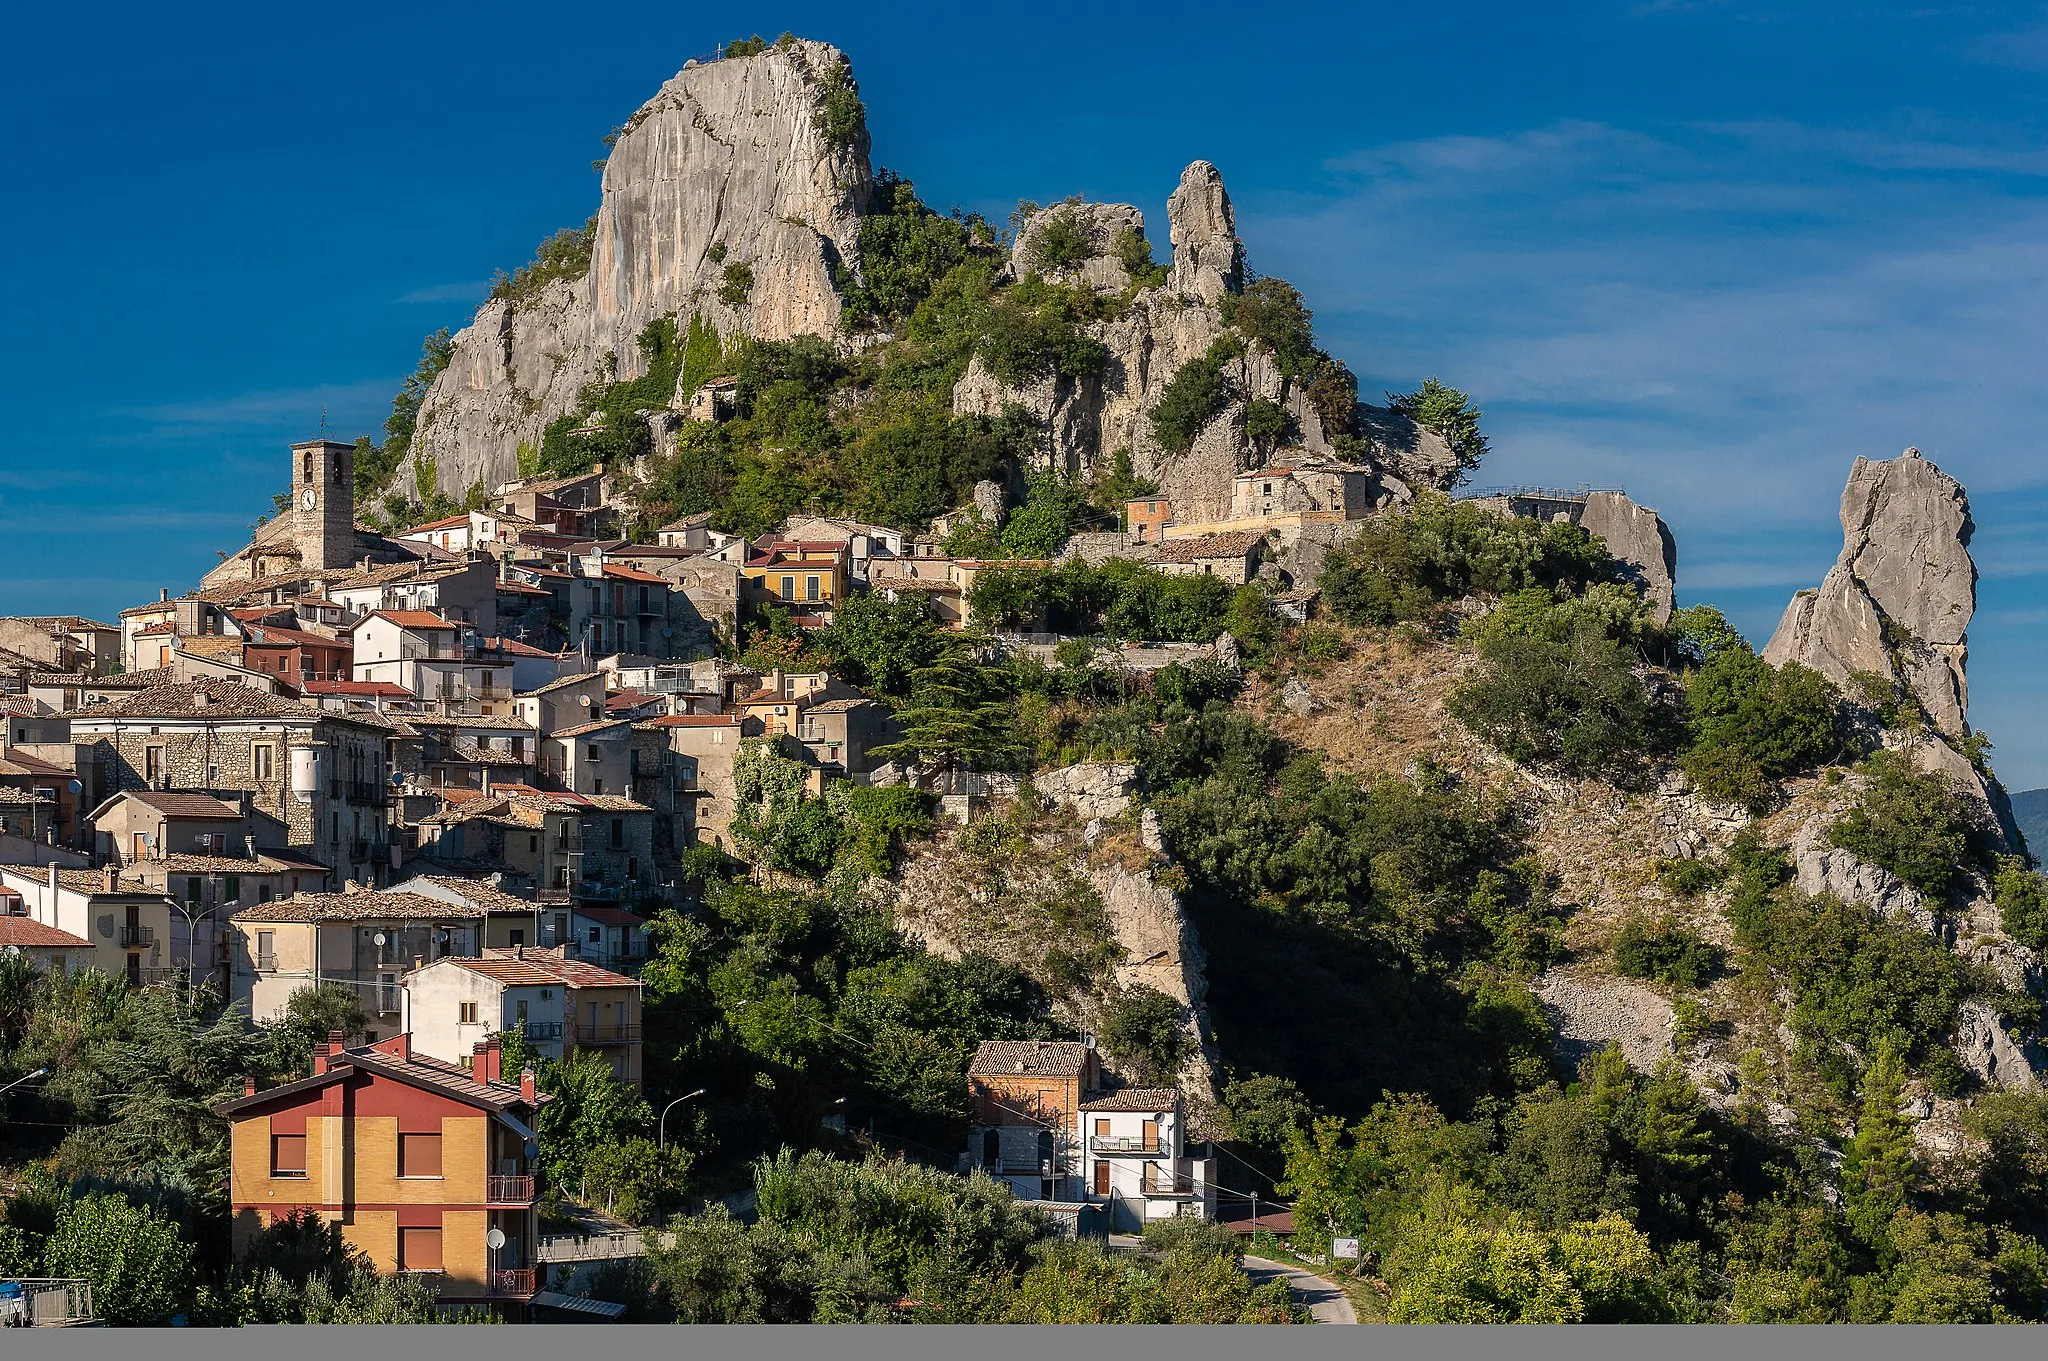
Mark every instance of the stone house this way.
pixel 568 702
pixel 423 1163
pixel 866 544
pixel 1146 519
pixel 615 608
pixel 586 848
pixel 295 656
pixel 424 654
pixel 464 751
pixel 703 746
pixel 1301 493
pixel 590 758
pixel 841 734
pixel 315 781
pixel 1232 558
pixel 464 593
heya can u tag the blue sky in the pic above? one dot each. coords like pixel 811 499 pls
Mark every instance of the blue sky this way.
pixel 1711 252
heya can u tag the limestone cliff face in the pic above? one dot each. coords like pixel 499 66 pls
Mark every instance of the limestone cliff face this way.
pixel 1905 561
pixel 1159 330
pixel 727 155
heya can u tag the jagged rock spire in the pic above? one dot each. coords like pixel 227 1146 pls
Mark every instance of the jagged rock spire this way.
pixel 1208 260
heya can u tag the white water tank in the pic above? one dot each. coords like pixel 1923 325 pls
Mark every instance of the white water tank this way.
pixel 306 764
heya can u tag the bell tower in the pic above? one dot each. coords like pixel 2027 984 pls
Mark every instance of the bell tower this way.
pixel 324 504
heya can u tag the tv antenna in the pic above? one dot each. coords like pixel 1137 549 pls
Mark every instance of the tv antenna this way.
pixel 323 420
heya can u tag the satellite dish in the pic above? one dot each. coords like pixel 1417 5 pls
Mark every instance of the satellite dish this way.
pixel 496 1238
pixel 668 633
pixel 379 938
pixel 531 1149
pixel 584 700
pixel 76 787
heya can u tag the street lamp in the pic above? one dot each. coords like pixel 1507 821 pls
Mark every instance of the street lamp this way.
pixel 662 1130
pixel 27 1077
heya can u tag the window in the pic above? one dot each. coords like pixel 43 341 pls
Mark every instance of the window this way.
pixel 518 939
pixel 262 757
pixel 465 1013
pixel 263 893
pixel 231 888
pixel 533 843
pixel 419 1155
pixel 266 949
pixel 789 588
pixel 596 934
pixel 152 764
pixel 287 1155
pixel 810 588
pixel 595 755
pixel 192 892
pixel 618 833
pixel 419 1249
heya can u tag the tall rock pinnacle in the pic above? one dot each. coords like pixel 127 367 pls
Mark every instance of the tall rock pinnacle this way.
pixel 1898 600
pixel 1207 259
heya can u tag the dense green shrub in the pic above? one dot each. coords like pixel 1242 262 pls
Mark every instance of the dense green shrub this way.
pixel 1134 252
pixel 736 284
pixel 1915 824
pixel 1140 1028
pixel 1272 313
pixel 1688 878
pixel 1404 565
pixel 1575 704
pixel 565 255
pixel 2022 896
pixel 842 119
pixel 1666 952
pixel 1061 241
pixel 1194 396
pixel 1754 723
pixel 905 250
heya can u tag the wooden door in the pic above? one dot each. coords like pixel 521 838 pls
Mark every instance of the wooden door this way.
pixel 1151 1134
pixel 1101 1178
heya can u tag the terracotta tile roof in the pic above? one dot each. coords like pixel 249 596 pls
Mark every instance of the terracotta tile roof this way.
pixel 485 756
pixel 21 763
pixel 131 680
pixel 893 582
pixel 182 804
pixel 511 972
pixel 558 684
pixel 839 706
pixel 1132 1099
pixel 585 729
pixel 22 797
pixel 365 905
pixel 1210 546
pixel 420 1070
pixel 273 635
pixel 92 883
pixel 518 588
pixel 481 894
pixel 1036 1058
pixel 512 647
pixel 65 622
pixel 162 626
pixel 692 721
pixel 552 963
pixel 214 646
pixel 477 722
pixel 367 689
pixel 410 619
pixel 449 523
pixel 614 572
pixel 28 933
pixel 224 699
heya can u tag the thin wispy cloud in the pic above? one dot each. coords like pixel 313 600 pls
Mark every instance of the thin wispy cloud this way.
pixel 346 404
pixel 467 292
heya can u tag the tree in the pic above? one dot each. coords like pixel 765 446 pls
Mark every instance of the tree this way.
pixel 140 1266
pixel 310 1015
pixel 1915 825
pixel 1193 397
pixel 1879 1166
pixel 957 714
pixel 2022 897
pixel 1575 705
pixel 1141 1029
pixel 1446 412
pixel 877 643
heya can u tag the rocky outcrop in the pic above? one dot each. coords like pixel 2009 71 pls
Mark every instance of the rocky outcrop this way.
pixel 1093 789
pixel 1990 1052
pixel 1638 537
pixel 1162 951
pixel 1899 598
pixel 727 167
pixel 1591 1011
pixel 1208 259
pixel 1818 867
pixel 1102 270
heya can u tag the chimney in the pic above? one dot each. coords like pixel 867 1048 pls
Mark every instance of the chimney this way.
pixel 163 595
pixel 249 1085
pixel 487 1060
pixel 53 890
pixel 111 879
pixel 336 1041
pixel 529 1091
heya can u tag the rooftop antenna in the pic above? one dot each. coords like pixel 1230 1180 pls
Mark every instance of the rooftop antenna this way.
pixel 323 420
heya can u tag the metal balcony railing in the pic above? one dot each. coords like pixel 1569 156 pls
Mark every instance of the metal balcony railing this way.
pixel 515 1281
pixel 265 962
pixel 137 937
pixel 1155 1183
pixel 508 1190
pixel 1100 1143
pixel 543 1030
pixel 611 1032
pixel 45 1302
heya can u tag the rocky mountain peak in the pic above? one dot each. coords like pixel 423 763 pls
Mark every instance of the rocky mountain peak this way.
pixel 1899 598
pixel 1208 260
pixel 732 192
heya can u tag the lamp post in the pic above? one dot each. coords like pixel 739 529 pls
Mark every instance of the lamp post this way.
pixel 662 1129
pixel 26 1077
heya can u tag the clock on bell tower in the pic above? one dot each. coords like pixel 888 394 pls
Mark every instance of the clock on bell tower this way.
pixel 324 492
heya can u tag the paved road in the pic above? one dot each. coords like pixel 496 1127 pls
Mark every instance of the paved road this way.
pixel 1326 1303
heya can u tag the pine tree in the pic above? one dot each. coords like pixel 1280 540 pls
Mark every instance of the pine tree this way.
pixel 1879 1167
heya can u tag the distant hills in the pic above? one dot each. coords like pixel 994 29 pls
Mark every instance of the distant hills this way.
pixel 2030 810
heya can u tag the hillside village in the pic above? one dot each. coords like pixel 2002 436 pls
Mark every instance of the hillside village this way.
pixel 1077 765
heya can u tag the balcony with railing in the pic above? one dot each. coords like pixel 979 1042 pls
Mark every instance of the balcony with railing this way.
pixel 609 1032
pixel 508 1190
pixel 514 1282
pixel 1125 1143
pixel 137 937
pixel 543 1031
pixel 1156 1182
